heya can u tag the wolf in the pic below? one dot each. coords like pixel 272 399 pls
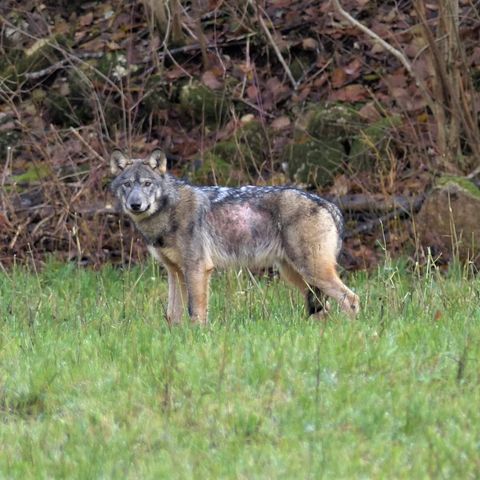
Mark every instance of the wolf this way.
pixel 192 229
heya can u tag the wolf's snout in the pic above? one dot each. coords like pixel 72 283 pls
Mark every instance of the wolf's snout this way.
pixel 136 202
pixel 136 207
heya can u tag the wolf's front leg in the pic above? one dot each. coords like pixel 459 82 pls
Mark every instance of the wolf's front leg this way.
pixel 177 295
pixel 197 279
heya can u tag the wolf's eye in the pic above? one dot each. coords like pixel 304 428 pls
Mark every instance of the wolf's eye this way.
pixel 127 184
pixel 147 184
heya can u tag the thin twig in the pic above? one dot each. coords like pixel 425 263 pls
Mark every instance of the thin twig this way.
pixel 255 107
pixel 59 65
pixel 473 174
pixel 197 11
pixel 192 48
pixel 305 78
pixel 95 154
pixel 396 53
pixel 277 52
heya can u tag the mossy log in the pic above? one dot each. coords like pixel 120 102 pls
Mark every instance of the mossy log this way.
pixel 448 222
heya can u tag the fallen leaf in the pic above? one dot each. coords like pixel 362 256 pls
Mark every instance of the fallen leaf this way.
pixel 96 44
pixel 281 122
pixel 377 48
pixel 396 80
pixel 339 77
pixel 246 68
pixel 354 68
pixel 320 81
pixel 309 44
pixel 175 73
pixel 252 92
pixel 281 3
pixel 86 19
pixel 79 35
pixel 399 93
pixel 422 118
pixel 390 16
pixel 112 46
pixel 350 93
pixel 369 112
pixel 341 186
pixel 275 86
pixel 412 50
pixel 247 119
pixel 304 92
pixel 4 222
pixel 416 103
pixel 61 26
pixel 8 126
pixel 210 80
pixel 475 57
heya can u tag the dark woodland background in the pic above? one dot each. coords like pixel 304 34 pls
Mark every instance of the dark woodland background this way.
pixel 240 92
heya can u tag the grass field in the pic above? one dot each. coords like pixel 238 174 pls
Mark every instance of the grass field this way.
pixel 93 384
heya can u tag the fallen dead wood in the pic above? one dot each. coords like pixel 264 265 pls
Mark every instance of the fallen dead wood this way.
pixel 80 56
pixel 364 203
pixel 398 212
pixel 60 65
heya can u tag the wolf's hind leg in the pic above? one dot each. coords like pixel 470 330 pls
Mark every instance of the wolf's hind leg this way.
pixel 311 246
pixel 316 304
pixel 326 278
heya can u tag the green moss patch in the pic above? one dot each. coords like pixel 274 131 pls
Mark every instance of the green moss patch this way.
pixel 204 104
pixel 332 138
pixel 461 182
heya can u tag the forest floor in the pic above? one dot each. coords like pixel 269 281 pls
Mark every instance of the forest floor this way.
pixel 231 92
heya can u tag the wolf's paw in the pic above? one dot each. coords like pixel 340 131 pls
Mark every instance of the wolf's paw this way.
pixel 352 305
pixel 322 311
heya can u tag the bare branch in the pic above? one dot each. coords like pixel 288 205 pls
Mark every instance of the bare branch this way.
pixel 60 65
pixel 277 52
pixel 396 53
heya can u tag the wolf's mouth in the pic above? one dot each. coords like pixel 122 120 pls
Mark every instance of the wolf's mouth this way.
pixel 137 209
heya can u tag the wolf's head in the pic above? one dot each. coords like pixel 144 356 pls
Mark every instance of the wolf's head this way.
pixel 140 185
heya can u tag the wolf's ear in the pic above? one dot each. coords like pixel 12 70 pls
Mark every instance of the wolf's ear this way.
pixel 157 161
pixel 118 161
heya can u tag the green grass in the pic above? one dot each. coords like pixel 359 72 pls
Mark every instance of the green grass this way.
pixel 93 384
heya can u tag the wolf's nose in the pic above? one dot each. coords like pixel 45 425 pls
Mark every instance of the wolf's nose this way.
pixel 135 206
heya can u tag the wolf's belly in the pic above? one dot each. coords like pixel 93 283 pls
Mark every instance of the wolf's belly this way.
pixel 246 255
